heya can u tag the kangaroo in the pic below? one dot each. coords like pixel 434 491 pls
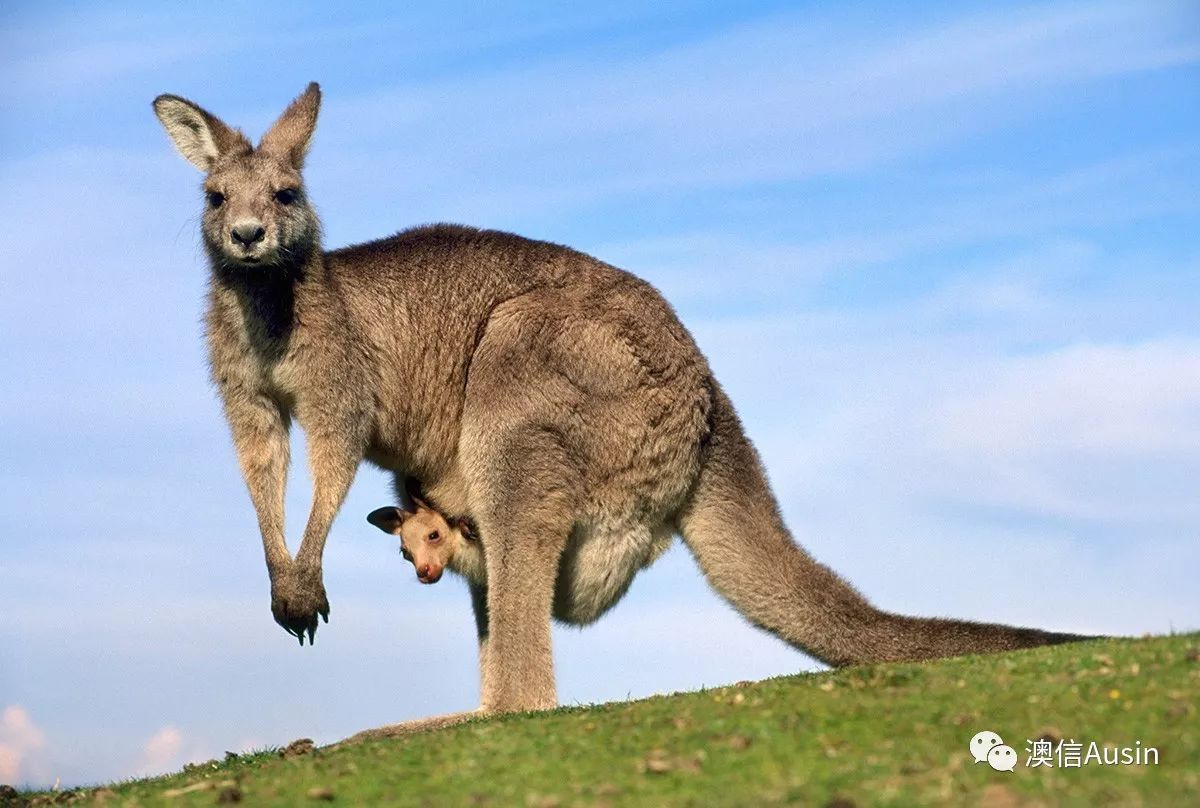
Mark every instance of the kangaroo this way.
pixel 432 542
pixel 554 398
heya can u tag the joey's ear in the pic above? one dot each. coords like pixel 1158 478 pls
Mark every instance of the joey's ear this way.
pixel 464 526
pixel 199 135
pixel 388 519
pixel 288 137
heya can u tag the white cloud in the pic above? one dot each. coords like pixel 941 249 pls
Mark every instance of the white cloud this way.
pixel 1102 432
pixel 771 100
pixel 885 401
pixel 88 49
pixel 1111 399
pixel 161 752
pixel 714 267
pixel 21 745
pixel 709 267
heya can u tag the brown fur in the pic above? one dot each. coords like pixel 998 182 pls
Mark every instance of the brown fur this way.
pixel 554 398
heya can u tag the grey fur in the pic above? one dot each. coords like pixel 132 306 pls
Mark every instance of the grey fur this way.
pixel 554 398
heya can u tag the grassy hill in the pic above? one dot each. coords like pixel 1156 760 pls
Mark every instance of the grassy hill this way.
pixel 878 735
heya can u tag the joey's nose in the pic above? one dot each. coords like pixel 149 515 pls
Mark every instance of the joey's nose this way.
pixel 247 233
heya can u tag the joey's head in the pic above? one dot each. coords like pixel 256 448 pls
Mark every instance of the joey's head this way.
pixel 427 538
pixel 256 213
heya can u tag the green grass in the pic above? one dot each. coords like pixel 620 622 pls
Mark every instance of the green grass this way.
pixel 877 735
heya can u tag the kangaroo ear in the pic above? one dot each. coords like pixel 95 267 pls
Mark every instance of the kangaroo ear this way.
pixel 288 137
pixel 464 526
pixel 199 135
pixel 388 519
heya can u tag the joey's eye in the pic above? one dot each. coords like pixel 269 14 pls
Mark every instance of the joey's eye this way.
pixel 286 196
pixel 434 536
pixel 407 555
pixel 215 199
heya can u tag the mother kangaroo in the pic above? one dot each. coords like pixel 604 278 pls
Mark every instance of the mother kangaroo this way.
pixel 554 398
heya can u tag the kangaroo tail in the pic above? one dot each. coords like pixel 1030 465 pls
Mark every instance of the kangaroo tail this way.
pixel 732 526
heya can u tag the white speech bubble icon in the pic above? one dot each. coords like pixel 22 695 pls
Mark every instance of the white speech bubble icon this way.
pixel 1002 758
pixel 982 743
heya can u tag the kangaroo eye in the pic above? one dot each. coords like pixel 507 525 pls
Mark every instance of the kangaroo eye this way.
pixel 286 196
pixel 215 199
pixel 407 555
pixel 434 536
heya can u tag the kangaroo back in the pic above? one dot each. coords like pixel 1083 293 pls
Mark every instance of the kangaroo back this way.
pixel 733 528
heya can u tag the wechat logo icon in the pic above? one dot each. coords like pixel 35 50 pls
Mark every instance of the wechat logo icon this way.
pixel 989 747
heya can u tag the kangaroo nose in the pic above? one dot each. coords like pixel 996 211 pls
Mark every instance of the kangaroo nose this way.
pixel 247 234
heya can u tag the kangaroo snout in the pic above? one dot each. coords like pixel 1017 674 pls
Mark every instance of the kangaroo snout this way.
pixel 247 233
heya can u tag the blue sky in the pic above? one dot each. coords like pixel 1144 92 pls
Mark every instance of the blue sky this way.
pixel 946 261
